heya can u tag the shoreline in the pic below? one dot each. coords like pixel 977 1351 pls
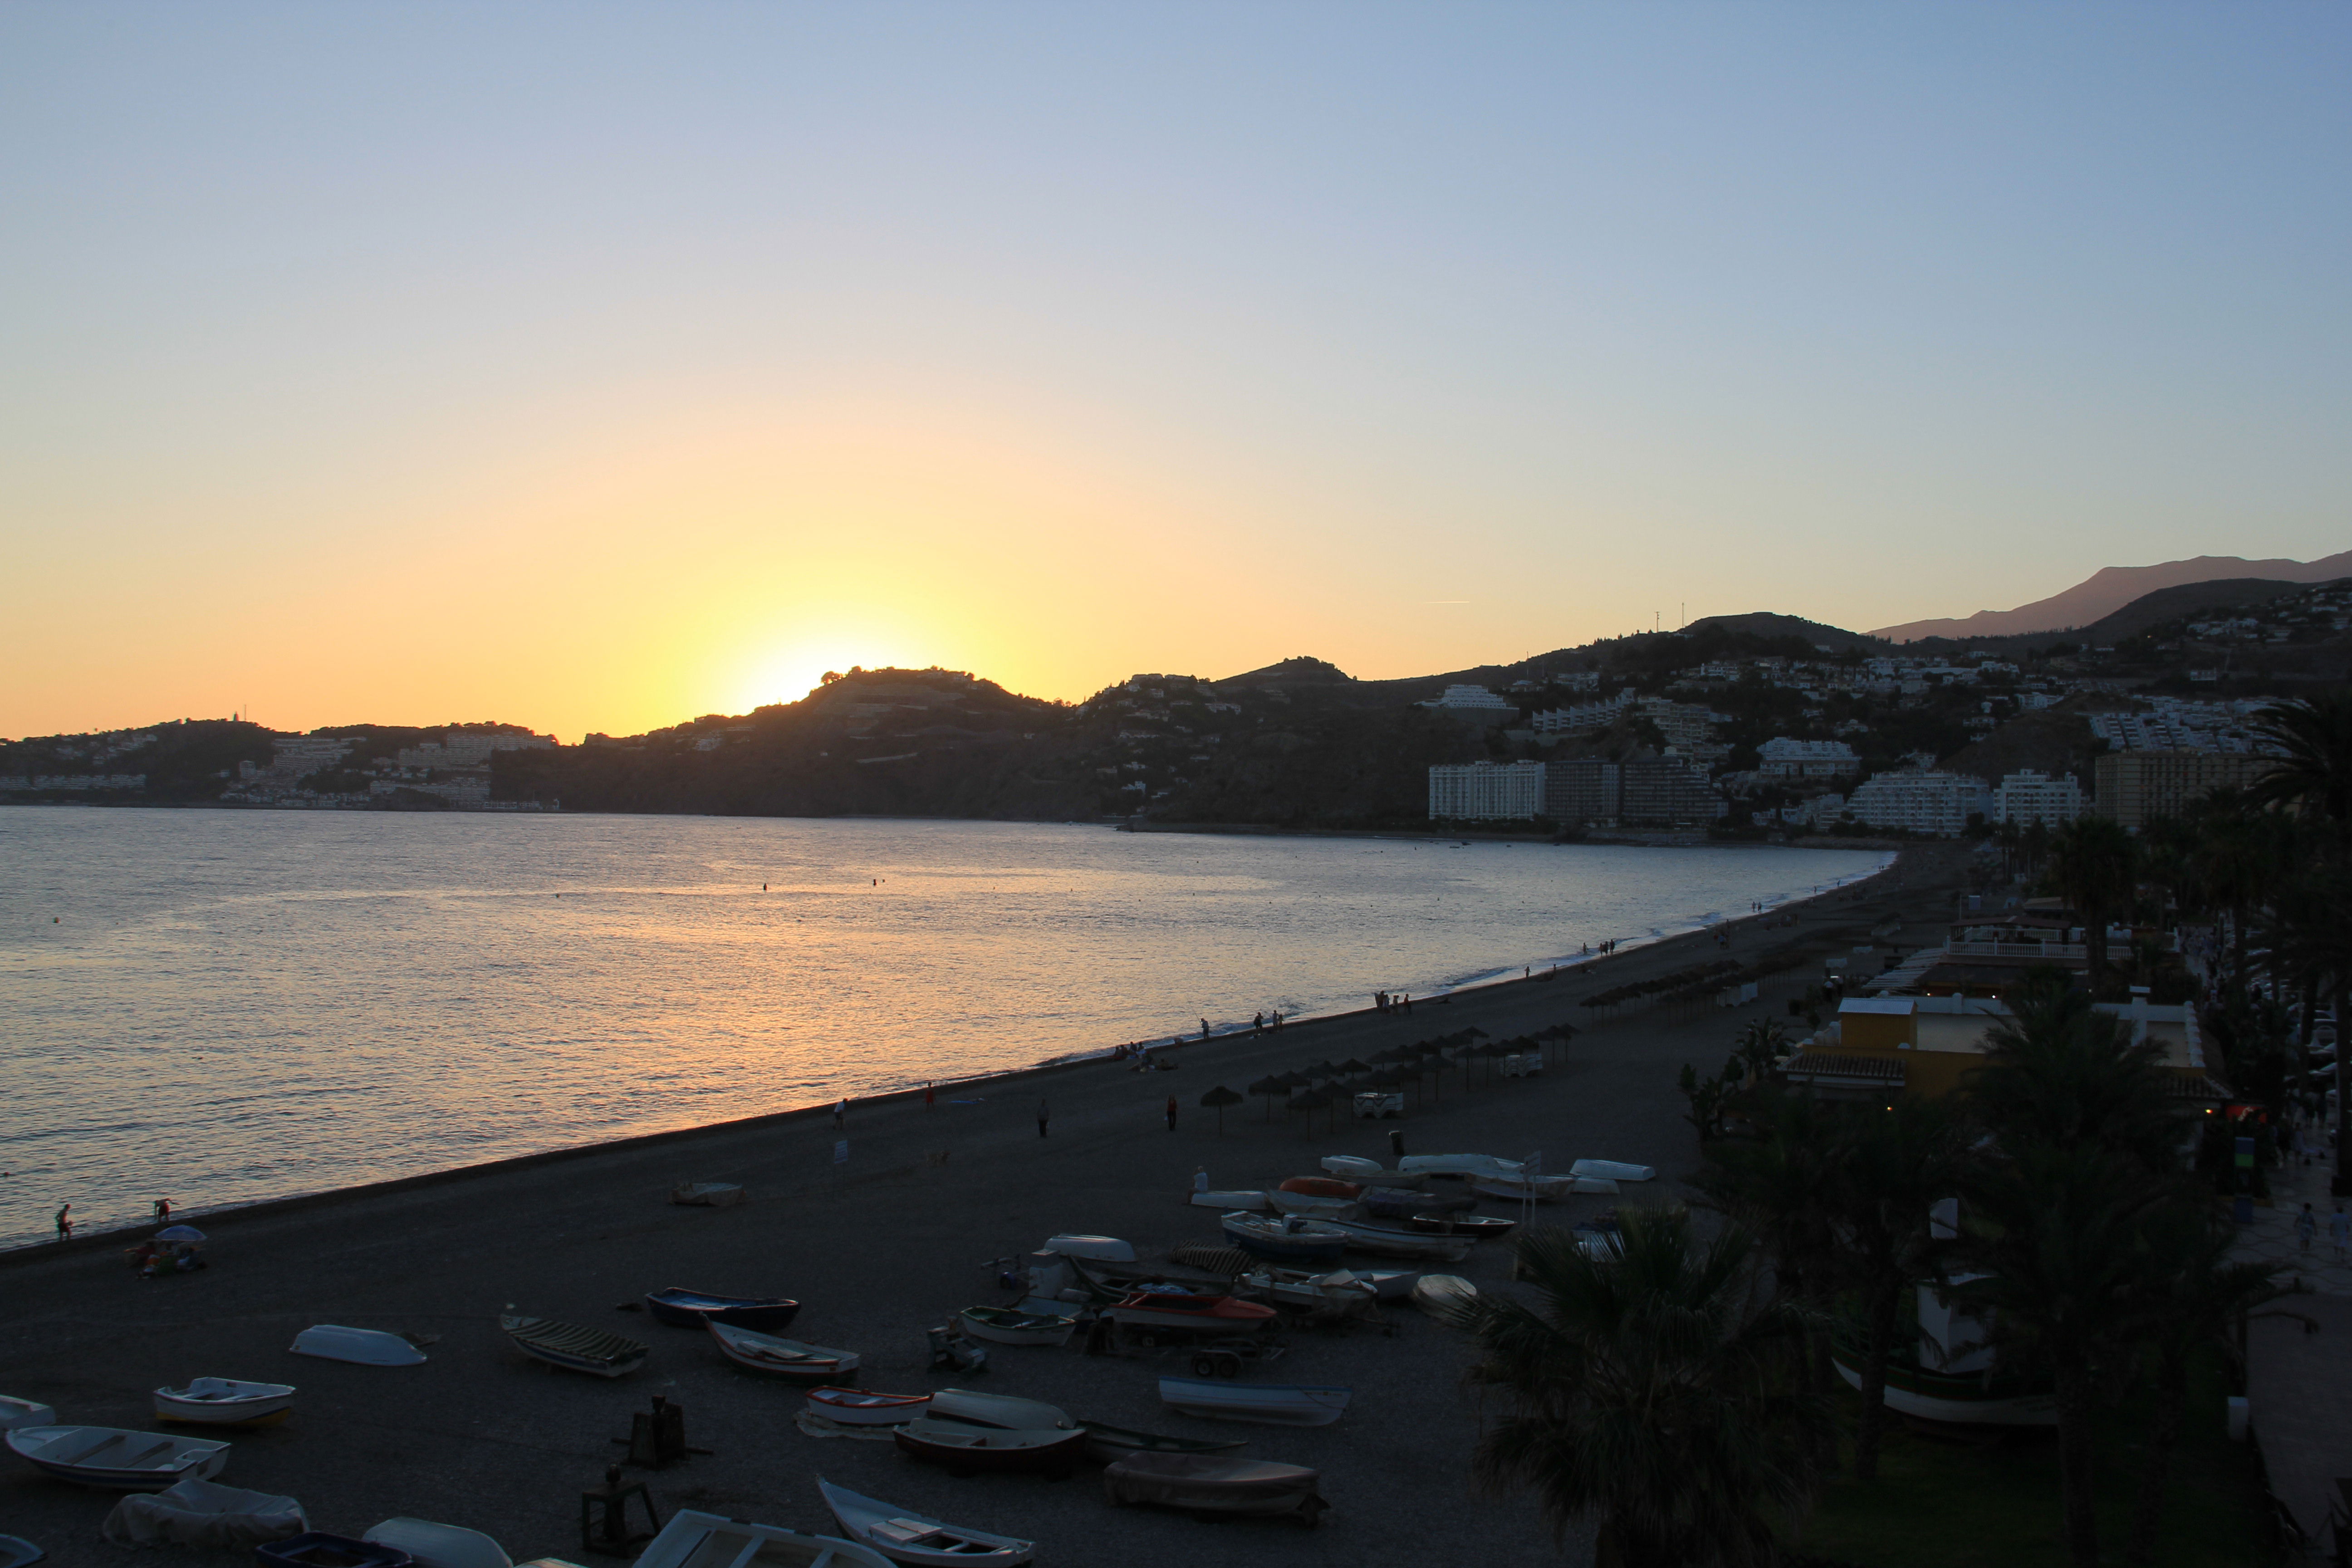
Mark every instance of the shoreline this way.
pixel 1486 993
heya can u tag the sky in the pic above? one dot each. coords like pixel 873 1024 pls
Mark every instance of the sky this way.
pixel 593 367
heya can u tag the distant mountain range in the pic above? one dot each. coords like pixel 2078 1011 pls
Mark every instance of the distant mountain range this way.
pixel 2111 589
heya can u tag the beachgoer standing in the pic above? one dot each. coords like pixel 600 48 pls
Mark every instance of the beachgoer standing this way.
pixel 2339 1232
pixel 65 1222
pixel 2307 1226
pixel 163 1211
pixel 1171 1113
pixel 1205 1028
pixel 1257 1023
pixel 841 1115
pixel 929 1094
pixel 1043 1115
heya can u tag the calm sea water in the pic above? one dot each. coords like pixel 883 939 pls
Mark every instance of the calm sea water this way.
pixel 225 1006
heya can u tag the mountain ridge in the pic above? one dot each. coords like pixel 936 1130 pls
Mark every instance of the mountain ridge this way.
pixel 2111 589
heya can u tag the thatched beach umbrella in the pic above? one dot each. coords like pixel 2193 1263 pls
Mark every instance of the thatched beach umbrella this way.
pixel 1269 1086
pixel 1398 1054
pixel 1216 1100
pixel 1352 1065
pixel 1310 1101
pixel 1488 1053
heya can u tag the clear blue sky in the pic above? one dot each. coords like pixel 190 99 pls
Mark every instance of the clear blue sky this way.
pixel 594 366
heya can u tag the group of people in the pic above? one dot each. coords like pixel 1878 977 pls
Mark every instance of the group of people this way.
pixel 1393 1002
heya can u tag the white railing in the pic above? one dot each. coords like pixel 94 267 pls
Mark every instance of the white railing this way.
pixel 2055 950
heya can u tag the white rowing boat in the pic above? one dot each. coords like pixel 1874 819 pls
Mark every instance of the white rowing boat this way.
pixel 1004 1410
pixel 367 1347
pixel 224 1401
pixel 790 1359
pixel 904 1536
pixel 1009 1326
pixel 1444 1296
pixel 1282 1405
pixel 432 1545
pixel 1390 1241
pixel 115 1458
pixel 1612 1171
pixel 711 1540
pixel 856 1407
pixel 1227 1202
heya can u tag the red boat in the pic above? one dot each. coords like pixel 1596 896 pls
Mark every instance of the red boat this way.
pixel 1322 1187
pixel 1153 1311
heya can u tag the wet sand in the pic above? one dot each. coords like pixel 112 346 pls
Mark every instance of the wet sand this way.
pixel 897 1240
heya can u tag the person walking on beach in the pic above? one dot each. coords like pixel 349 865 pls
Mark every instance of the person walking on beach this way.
pixel 1205 1028
pixel 2307 1226
pixel 163 1211
pixel 841 1115
pixel 929 1094
pixel 1043 1115
pixel 1171 1113
pixel 65 1222
pixel 1257 1023
pixel 2339 1232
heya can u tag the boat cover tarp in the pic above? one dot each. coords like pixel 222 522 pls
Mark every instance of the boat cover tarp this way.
pixel 1612 1171
pixel 204 1513
pixel 1206 1483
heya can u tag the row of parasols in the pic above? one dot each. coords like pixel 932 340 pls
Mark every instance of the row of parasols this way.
pixel 1327 1085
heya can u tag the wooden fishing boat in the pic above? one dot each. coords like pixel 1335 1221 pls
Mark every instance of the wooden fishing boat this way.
pixel 432 1545
pixel 1101 1248
pixel 963 1449
pixel 1004 1410
pixel 682 1309
pixel 1390 1284
pixel 1354 1168
pixel 15 1551
pixel 1534 1189
pixel 116 1459
pixel 1153 1311
pixel 1105 1443
pixel 1397 1203
pixel 855 1407
pixel 1207 1484
pixel 221 1402
pixel 572 1346
pixel 1323 1187
pixel 1308 1205
pixel 1470 1226
pixel 907 1537
pixel 367 1347
pixel 1286 1238
pixel 1282 1405
pixel 692 1539
pixel 1339 1294
pixel 1470 1166
pixel 1004 1326
pixel 1389 1241
pixel 1224 1202
pixel 789 1359
pixel 1443 1296
pixel 707 1195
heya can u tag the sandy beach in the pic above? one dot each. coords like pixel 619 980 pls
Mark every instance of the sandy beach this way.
pixel 877 1248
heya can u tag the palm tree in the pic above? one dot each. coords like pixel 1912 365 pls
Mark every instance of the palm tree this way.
pixel 2059 1073
pixel 2194 1294
pixel 1899 1164
pixel 1646 1392
pixel 2055 1231
pixel 2093 861
pixel 2314 738
pixel 1777 1187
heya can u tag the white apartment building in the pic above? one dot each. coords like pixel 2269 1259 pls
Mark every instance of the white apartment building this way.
pixel 1934 803
pixel 1475 791
pixel 1782 758
pixel 2028 797
pixel 1583 716
pixel 1474 703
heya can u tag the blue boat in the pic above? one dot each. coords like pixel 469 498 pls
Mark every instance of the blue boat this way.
pixel 317 1548
pixel 1284 1238
pixel 684 1309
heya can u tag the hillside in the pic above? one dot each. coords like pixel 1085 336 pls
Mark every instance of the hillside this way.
pixel 2111 589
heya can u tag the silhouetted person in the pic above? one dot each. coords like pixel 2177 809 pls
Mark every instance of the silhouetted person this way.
pixel 163 1211
pixel 1171 1113
pixel 841 1115
pixel 1205 1028
pixel 928 1095
pixel 1044 1116
pixel 65 1222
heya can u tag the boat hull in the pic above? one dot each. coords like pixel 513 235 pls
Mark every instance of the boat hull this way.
pixel 1305 1245
pixel 691 1536
pixel 853 1407
pixel 916 1538
pixel 1274 1404
pixel 1202 1484
pixel 113 1459
pixel 788 1360
pixel 993 1449
pixel 219 1402
pixel 1001 1410
pixel 1016 1329
pixel 1469 1226
pixel 1108 1445
pixel 574 1348
pixel 1950 1401
pixel 687 1309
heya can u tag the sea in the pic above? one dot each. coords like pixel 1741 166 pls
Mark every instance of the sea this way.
pixel 221 1007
